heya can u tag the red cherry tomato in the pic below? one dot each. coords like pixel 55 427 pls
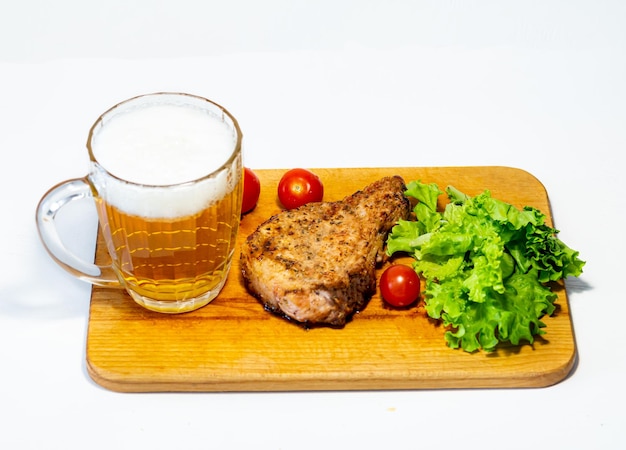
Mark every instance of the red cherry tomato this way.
pixel 399 285
pixel 251 190
pixel 299 186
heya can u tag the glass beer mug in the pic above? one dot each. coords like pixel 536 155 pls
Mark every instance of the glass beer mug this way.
pixel 165 172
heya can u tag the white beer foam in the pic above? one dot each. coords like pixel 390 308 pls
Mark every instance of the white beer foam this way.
pixel 159 146
pixel 165 202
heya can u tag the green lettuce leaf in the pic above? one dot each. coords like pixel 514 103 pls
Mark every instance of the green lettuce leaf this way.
pixel 486 265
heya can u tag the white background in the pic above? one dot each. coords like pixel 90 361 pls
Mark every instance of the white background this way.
pixel 538 85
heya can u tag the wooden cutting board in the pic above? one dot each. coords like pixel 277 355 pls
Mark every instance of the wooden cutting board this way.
pixel 232 344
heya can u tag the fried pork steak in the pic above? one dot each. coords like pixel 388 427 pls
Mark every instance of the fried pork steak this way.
pixel 316 264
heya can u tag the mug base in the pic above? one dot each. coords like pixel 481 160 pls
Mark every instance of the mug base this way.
pixel 178 306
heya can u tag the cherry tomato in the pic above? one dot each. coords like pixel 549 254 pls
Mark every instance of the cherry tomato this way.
pixel 399 285
pixel 251 190
pixel 299 186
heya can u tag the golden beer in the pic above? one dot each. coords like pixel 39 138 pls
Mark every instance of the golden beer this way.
pixel 166 175
pixel 166 261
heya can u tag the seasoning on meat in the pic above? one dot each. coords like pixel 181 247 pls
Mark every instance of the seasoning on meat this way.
pixel 317 264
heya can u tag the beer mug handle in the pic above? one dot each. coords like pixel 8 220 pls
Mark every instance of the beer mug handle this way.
pixel 49 205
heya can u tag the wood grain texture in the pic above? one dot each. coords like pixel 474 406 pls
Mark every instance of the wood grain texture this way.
pixel 232 344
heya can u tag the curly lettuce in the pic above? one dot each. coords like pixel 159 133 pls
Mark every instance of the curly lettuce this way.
pixel 486 265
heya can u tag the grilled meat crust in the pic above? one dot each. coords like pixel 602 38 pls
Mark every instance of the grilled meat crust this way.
pixel 316 264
